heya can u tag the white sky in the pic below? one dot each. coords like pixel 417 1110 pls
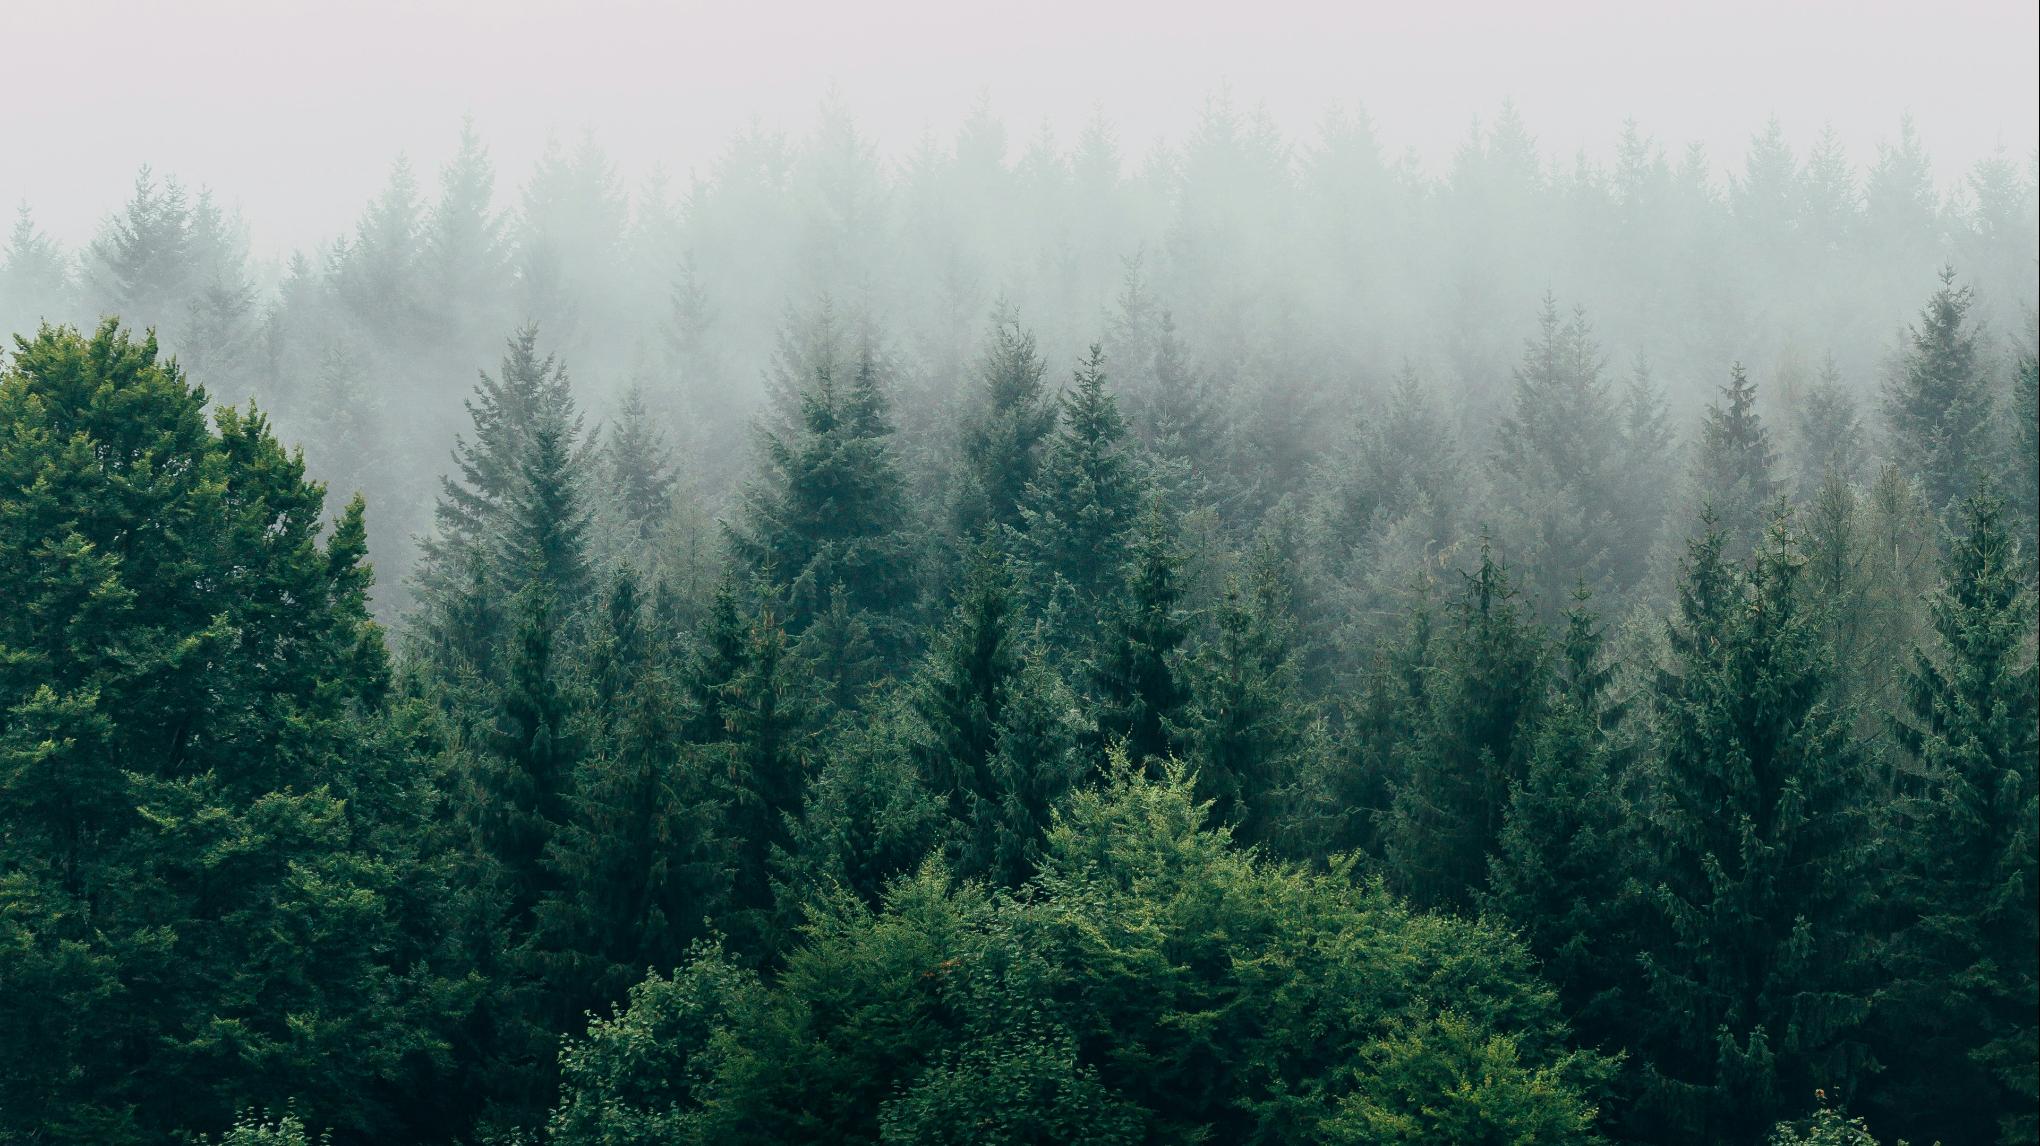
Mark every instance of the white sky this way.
pixel 294 108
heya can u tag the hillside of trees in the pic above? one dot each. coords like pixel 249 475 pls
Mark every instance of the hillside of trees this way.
pixel 1017 642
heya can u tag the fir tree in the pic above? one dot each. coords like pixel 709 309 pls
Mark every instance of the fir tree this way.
pixel 1564 866
pixel 1733 470
pixel 830 507
pixel 1136 677
pixel 1938 403
pixel 1755 974
pixel 1554 460
pixel 1249 733
pixel 1003 439
pixel 1966 964
pixel 640 471
pixel 1082 504
pixel 1828 431
pixel 1469 744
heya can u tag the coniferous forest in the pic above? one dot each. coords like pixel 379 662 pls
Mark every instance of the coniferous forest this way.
pixel 1022 640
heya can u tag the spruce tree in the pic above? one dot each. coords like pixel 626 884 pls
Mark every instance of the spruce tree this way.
pixel 1733 470
pixel 760 768
pixel 1470 742
pixel 2024 409
pixel 1965 964
pixel 1755 972
pixel 1829 433
pixel 830 509
pixel 512 510
pixel 640 472
pixel 633 864
pixel 1249 733
pixel 1937 405
pixel 1136 677
pixel 1564 867
pixel 1554 461
pixel 1082 504
pixel 1002 440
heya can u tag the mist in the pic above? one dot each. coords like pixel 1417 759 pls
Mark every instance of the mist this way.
pixel 1220 566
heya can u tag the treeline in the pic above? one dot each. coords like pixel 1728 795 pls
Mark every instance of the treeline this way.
pixel 1296 278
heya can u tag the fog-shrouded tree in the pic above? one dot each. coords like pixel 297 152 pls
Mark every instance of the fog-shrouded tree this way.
pixel 1937 403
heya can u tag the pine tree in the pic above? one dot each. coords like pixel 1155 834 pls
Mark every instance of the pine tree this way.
pixel 1828 431
pixel 1965 964
pixel 761 766
pixel 830 507
pixel 1002 440
pixel 139 266
pixel 1469 743
pixel 1938 404
pixel 1564 866
pixel 1554 461
pixel 1136 677
pixel 640 471
pixel 1733 471
pixel 1249 733
pixel 463 254
pixel 525 774
pixel 1081 504
pixel 513 508
pixel 2025 441
pixel 35 276
pixel 544 541
pixel 633 864
pixel 1755 972
pixel 190 772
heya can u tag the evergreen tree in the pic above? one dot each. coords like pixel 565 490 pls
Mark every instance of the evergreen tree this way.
pixel 1470 742
pixel 35 276
pixel 761 765
pixel 1249 734
pixel 1564 866
pixel 200 912
pixel 830 507
pixel 1733 471
pixel 512 510
pixel 1938 403
pixel 634 867
pixel 2024 409
pixel 998 740
pixel 1136 677
pixel 1755 971
pixel 641 474
pixel 1002 440
pixel 1829 433
pixel 1082 503
pixel 1554 460
pixel 524 776
pixel 1966 964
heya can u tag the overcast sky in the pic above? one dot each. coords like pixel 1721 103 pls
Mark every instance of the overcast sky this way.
pixel 294 108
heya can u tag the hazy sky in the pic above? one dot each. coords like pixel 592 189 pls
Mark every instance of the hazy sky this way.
pixel 294 108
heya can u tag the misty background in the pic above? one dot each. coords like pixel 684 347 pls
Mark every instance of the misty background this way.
pixel 1313 203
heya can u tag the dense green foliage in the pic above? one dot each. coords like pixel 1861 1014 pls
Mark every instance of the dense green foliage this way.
pixel 1201 752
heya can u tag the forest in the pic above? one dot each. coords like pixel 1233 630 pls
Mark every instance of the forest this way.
pixel 1248 640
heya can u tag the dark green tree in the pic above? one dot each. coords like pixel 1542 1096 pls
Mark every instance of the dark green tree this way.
pixel 1250 735
pixel 1564 868
pixel 1137 682
pixel 1082 504
pixel 198 912
pixel 1002 438
pixel 1755 968
pixel 1470 742
pixel 829 508
pixel 1965 963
